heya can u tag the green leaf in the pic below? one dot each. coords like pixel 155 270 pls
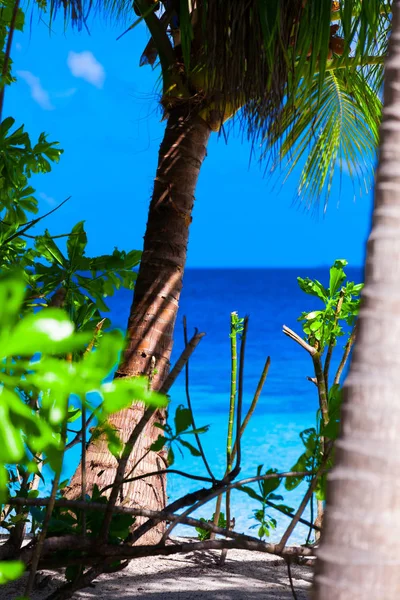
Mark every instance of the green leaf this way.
pixel 250 492
pixel 193 451
pixel 315 325
pixel 49 331
pixel 12 292
pixel 76 244
pixel 313 314
pixel 313 288
pixel 158 444
pixel 183 419
pixel 337 276
pixel 11 442
pixel 171 456
pixel 5 126
pixel 47 248
pixel 121 393
pixel 10 570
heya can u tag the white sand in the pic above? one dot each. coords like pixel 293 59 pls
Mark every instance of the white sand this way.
pixel 195 576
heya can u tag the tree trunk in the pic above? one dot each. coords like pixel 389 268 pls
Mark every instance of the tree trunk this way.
pixel 359 555
pixel 154 309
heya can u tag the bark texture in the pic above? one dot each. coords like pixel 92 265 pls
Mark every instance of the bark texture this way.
pixel 154 309
pixel 360 553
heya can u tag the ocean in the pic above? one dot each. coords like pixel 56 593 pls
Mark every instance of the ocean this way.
pixel 271 298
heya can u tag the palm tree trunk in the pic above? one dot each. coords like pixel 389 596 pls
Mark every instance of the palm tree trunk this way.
pixel 359 555
pixel 154 309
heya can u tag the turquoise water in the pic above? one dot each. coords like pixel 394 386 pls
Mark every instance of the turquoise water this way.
pixel 288 404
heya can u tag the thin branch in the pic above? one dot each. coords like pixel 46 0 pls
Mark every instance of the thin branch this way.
pixel 119 476
pixel 291 580
pixel 238 444
pixel 137 463
pixel 319 374
pixel 304 502
pixel 312 524
pixel 240 394
pixel 34 222
pixel 49 511
pixel 161 472
pixel 346 354
pixel 332 339
pixel 309 524
pixel 181 362
pixel 321 385
pixel 290 333
pixel 87 352
pixel 128 551
pixel 207 494
pixel 189 403
pixel 225 485
pixel 78 436
pixel 253 403
pixel 53 544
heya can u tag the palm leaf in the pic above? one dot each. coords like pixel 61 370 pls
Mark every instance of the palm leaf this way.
pixel 254 58
pixel 328 129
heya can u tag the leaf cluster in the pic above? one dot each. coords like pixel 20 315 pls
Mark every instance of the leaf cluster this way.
pixel 265 495
pixel 172 434
pixel 341 306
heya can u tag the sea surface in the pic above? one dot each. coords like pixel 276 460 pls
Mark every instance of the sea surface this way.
pixel 288 404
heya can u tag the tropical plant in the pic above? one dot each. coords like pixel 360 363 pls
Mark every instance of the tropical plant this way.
pixel 356 558
pixel 323 328
pixel 32 411
pixel 303 77
pixel 42 392
pixel 53 378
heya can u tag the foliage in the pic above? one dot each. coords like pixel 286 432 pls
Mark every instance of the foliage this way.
pixel 10 570
pixel 55 365
pixel 41 389
pixel 346 98
pixel 301 78
pixel 84 281
pixel 204 534
pixel 172 437
pixel 342 303
pixel 322 329
pixel 265 495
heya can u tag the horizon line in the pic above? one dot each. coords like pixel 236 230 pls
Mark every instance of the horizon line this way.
pixel 275 267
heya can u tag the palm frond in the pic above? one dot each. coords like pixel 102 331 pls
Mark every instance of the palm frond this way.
pixel 327 130
pixel 252 58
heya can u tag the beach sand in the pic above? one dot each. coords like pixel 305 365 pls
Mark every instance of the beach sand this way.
pixel 195 576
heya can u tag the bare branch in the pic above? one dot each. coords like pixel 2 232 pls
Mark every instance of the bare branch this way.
pixel 181 362
pixel 189 401
pixel 290 333
pixel 346 354
pixel 253 403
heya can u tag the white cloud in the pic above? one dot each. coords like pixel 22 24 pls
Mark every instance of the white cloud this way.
pixel 38 93
pixel 49 199
pixel 66 93
pixel 85 65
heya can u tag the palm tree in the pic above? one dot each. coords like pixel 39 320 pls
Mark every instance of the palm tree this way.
pixel 358 557
pixel 298 76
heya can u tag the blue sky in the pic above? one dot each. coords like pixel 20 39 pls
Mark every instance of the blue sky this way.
pixel 88 92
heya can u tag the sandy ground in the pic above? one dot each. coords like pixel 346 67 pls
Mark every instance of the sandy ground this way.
pixel 194 576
